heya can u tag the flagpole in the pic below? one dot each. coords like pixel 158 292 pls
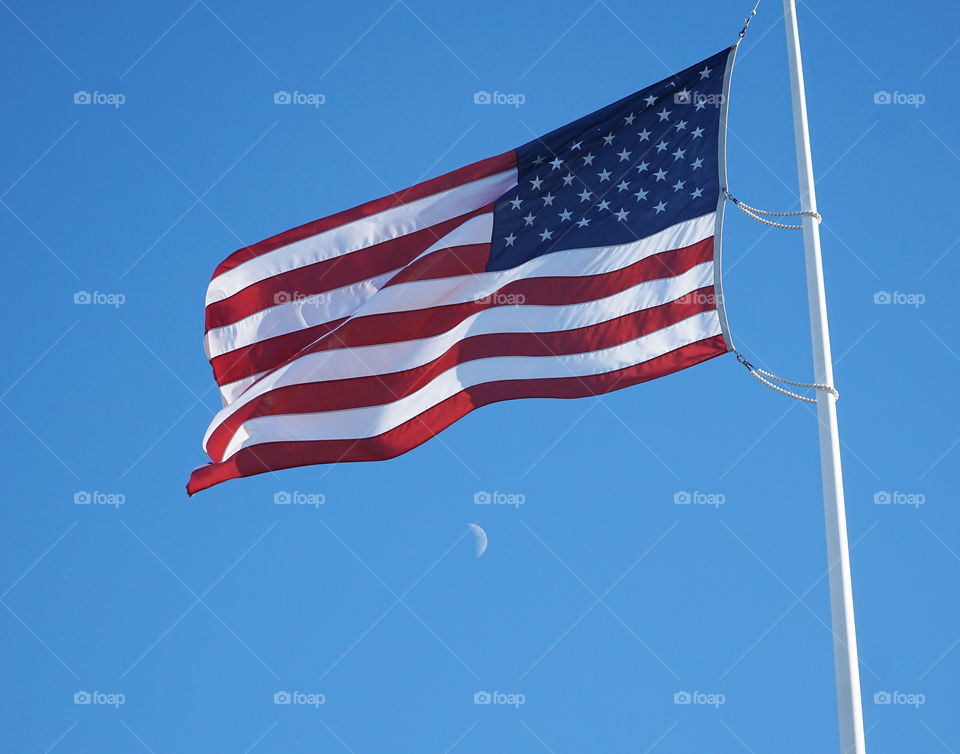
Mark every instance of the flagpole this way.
pixel 841 595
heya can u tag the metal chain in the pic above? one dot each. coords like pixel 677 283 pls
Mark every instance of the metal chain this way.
pixel 748 19
pixel 762 374
pixel 756 214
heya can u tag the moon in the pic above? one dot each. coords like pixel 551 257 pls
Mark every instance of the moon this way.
pixel 479 539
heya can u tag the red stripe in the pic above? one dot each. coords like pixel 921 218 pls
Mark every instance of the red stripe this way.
pixel 421 323
pixel 375 390
pixel 445 263
pixel 476 171
pixel 330 274
pixel 283 455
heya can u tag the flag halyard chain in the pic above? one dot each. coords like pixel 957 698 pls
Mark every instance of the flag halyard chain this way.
pixel 759 374
pixel 756 214
pixel 765 377
pixel 747 20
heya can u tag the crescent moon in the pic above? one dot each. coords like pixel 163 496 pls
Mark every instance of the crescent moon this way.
pixel 479 539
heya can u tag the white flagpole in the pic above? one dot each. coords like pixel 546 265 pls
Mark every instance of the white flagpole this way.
pixel 841 595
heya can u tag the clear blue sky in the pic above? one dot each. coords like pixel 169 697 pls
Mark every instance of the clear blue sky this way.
pixel 598 598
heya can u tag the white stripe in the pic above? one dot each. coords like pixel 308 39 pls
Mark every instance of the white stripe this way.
pixel 364 232
pixel 230 391
pixel 384 358
pixel 369 421
pixel 424 294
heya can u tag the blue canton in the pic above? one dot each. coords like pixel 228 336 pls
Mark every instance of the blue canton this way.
pixel 617 175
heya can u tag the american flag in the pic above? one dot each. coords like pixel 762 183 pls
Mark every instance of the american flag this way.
pixel 582 262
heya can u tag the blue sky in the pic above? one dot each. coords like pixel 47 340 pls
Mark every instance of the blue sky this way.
pixel 598 599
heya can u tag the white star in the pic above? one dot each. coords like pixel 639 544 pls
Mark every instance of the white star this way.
pixel 679 153
pixel 539 161
pixel 565 215
pixel 577 145
pixel 536 183
pixel 603 205
pixel 661 146
pixel 510 239
pixel 546 235
pixel 584 195
pixel 701 104
pixel 641 194
pixel 696 194
pixel 682 97
pixel 661 174
pixel 697 163
pixel 660 207
pixel 624 155
pixel 697 133
pixel 608 139
pixel 583 222
pixel 568 179
pixel 548 199
pixel 629 119
pixel 644 134
pixel 529 219
pixel 588 158
pixel 516 202
pixel 681 125
pixel 664 114
pixel 678 185
pixel 604 175
pixel 624 186
pixel 556 162
pixel 642 166
pixel 622 215
pixel 705 73
pixel 650 100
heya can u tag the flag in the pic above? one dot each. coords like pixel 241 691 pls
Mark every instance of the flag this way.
pixel 582 262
